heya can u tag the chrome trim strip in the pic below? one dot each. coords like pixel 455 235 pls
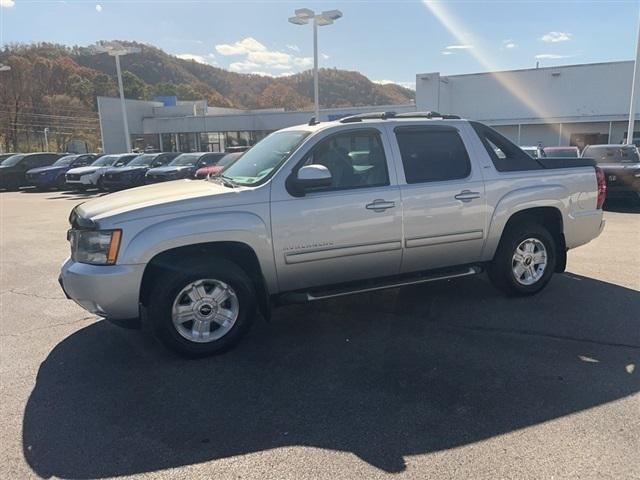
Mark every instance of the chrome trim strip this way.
pixel 439 239
pixel 336 252
pixel 469 271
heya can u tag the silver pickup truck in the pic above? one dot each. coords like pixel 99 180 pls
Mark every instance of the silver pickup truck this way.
pixel 328 209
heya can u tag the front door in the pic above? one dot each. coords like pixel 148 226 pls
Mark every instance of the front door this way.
pixel 443 199
pixel 348 231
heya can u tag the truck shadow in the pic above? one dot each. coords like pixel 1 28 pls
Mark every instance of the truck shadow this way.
pixel 381 375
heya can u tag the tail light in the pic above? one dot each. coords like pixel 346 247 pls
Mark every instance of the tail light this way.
pixel 602 187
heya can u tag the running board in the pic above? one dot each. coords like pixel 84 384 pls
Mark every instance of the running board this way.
pixel 383 284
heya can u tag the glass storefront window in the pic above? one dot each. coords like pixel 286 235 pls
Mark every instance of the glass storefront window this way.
pixel 187 142
pixel 211 142
pixel 146 142
pixel 168 142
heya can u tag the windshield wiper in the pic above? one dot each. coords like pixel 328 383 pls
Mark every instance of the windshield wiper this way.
pixel 226 181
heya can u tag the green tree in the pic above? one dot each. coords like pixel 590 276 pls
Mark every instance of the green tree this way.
pixel 133 86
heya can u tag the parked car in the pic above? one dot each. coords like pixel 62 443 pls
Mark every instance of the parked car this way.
pixel 621 166
pixel 91 176
pixel 533 151
pixel 183 166
pixel 298 219
pixel 13 169
pixel 561 152
pixel 220 165
pixel 4 156
pixel 132 174
pixel 54 175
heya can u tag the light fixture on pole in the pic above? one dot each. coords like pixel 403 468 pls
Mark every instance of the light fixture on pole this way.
pixel 634 91
pixel 304 16
pixel 117 50
pixel 4 68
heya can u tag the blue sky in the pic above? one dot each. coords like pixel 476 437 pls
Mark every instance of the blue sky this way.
pixel 385 40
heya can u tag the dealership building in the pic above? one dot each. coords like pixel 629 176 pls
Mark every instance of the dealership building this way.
pixel 566 105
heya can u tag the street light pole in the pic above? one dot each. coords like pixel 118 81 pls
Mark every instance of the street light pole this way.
pixel 302 17
pixel 46 139
pixel 117 50
pixel 634 91
pixel 123 105
pixel 316 92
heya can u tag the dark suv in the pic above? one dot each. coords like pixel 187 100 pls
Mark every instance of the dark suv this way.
pixel 13 169
pixel 183 166
pixel 132 174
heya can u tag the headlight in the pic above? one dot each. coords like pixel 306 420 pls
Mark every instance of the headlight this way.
pixel 97 247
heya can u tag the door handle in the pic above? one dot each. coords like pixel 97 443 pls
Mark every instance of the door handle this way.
pixel 380 205
pixel 467 196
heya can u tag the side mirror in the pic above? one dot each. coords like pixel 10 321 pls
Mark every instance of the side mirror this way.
pixel 308 178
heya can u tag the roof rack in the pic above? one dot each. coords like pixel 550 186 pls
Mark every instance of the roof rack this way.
pixel 388 115
pixel 427 115
pixel 368 116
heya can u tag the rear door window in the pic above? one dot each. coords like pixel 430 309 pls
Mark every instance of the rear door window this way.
pixel 432 154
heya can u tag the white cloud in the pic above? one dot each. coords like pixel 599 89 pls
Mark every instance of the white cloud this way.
pixel 509 44
pixel 325 56
pixel 409 85
pixel 7 3
pixel 243 47
pixel 98 8
pixel 555 37
pixel 459 47
pixel 258 58
pixel 448 52
pixel 550 56
pixel 294 48
pixel 196 58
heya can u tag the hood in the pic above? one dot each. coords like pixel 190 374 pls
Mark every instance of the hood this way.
pixel 50 168
pixel 84 170
pixel 164 198
pixel 169 169
pixel 125 169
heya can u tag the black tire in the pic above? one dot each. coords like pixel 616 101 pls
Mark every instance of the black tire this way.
pixel 501 268
pixel 61 183
pixel 168 285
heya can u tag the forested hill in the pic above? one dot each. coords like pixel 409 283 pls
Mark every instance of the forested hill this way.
pixel 54 87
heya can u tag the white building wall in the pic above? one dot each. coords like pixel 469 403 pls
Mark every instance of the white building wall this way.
pixel 551 92
pixel 111 126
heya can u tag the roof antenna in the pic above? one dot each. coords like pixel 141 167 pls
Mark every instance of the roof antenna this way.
pixel 313 121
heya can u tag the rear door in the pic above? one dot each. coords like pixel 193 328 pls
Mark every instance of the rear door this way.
pixel 443 197
pixel 351 230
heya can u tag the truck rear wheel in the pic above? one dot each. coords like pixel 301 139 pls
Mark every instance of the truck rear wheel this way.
pixel 525 260
pixel 202 310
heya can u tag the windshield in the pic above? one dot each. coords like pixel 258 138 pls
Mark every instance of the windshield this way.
pixel 68 160
pixel 145 160
pixel 613 154
pixel 228 159
pixel 561 152
pixel 264 157
pixel 105 161
pixel 12 160
pixel 186 159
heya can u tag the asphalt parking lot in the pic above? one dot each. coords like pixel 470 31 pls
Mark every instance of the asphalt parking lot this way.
pixel 447 380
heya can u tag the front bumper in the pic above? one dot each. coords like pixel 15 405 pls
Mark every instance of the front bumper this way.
pixel 111 291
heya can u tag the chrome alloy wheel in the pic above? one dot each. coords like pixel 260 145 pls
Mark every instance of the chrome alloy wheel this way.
pixel 205 310
pixel 529 261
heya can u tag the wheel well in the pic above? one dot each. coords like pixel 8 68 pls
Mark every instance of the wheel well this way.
pixel 182 257
pixel 551 219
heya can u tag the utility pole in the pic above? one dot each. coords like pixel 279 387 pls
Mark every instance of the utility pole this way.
pixel 46 139
pixel 634 91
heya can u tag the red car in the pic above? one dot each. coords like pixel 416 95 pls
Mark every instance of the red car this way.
pixel 225 161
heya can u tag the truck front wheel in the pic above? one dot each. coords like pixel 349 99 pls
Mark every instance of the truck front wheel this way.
pixel 525 260
pixel 202 310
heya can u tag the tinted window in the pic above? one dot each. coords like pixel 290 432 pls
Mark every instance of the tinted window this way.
pixel 612 153
pixel 12 160
pixel 432 154
pixel 210 159
pixel 65 161
pixel 354 159
pixel 505 155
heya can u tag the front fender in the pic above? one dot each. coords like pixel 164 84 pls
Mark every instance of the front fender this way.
pixel 242 227
pixel 555 196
